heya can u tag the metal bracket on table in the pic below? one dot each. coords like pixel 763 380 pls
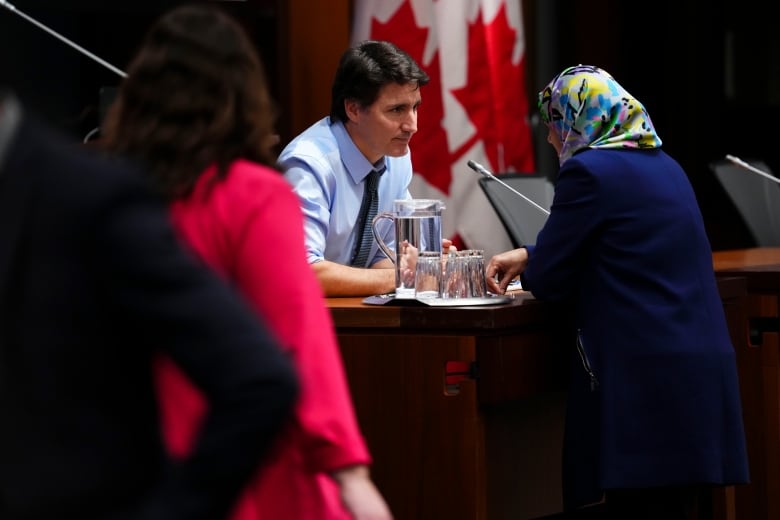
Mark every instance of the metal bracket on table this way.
pixel 758 326
pixel 455 372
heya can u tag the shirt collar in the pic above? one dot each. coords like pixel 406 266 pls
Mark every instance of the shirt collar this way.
pixel 10 116
pixel 355 162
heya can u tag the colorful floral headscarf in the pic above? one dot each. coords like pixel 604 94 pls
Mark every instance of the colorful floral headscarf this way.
pixel 589 109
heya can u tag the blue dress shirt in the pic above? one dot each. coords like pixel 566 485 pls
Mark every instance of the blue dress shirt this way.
pixel 327 171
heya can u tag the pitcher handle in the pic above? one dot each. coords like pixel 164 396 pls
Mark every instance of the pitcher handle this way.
pixel 385 249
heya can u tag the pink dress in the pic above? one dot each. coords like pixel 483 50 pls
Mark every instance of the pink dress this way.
pixel 249 228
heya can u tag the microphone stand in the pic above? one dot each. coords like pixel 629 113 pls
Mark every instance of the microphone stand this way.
pixel 10 7
pixel 486 173
pixel 749 167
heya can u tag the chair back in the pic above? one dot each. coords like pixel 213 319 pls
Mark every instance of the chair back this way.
pixel 520 218
pixel 756 198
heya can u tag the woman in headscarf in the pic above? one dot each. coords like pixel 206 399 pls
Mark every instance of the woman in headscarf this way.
pixel 654 416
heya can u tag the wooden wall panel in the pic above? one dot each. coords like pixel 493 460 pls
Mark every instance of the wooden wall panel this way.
pixel 312 36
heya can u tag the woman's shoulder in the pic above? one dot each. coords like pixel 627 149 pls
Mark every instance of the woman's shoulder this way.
pixel 252 183
pixel 244 173
pixel 602 161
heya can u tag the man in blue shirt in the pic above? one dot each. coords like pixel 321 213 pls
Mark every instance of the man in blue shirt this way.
pixel 373 116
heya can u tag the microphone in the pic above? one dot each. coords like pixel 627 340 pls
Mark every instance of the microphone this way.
pixel 82 50
pixel 749 167
pixel 486 173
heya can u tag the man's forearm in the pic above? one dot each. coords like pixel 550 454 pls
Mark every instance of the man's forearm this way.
pixel 343 280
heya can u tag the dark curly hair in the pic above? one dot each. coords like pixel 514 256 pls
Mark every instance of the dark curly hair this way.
pixel 195 96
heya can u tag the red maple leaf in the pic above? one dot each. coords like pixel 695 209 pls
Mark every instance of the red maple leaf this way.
pixel 494 96
pixel 430 153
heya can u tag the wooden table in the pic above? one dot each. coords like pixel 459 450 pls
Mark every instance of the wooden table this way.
pixel 462 407
pixel 758 360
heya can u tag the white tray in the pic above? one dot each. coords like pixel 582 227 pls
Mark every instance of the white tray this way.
pixel 382 299
pixel 465 302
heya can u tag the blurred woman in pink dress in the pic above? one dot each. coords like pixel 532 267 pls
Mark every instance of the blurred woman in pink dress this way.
pixel 196 112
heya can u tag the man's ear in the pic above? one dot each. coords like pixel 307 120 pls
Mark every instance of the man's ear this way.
pixel 352 109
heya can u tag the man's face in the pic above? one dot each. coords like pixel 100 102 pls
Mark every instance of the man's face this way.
pixel 386 126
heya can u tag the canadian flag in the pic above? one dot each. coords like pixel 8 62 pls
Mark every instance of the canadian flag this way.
pixel 474 108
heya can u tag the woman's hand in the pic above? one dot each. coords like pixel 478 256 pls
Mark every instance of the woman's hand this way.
pixel 360 496
pixel 504 267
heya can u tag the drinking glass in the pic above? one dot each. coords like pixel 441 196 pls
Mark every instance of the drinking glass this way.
pixel 428 275
pixel 463 275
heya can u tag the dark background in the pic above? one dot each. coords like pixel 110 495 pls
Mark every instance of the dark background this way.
pixel 706 73
pixel 62 84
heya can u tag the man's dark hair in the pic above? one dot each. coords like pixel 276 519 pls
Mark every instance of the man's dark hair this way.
pixel 367 67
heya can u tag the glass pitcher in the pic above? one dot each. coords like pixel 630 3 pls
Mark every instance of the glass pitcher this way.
pixel 417 228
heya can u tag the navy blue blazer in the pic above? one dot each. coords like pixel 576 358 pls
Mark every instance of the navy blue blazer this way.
pixel 92 285
pixel 654 398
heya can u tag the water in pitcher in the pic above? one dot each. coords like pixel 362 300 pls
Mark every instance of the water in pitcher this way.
pixel 413 235
pixel 417 228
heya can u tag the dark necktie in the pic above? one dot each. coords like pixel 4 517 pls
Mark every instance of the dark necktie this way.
pixel 368 210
